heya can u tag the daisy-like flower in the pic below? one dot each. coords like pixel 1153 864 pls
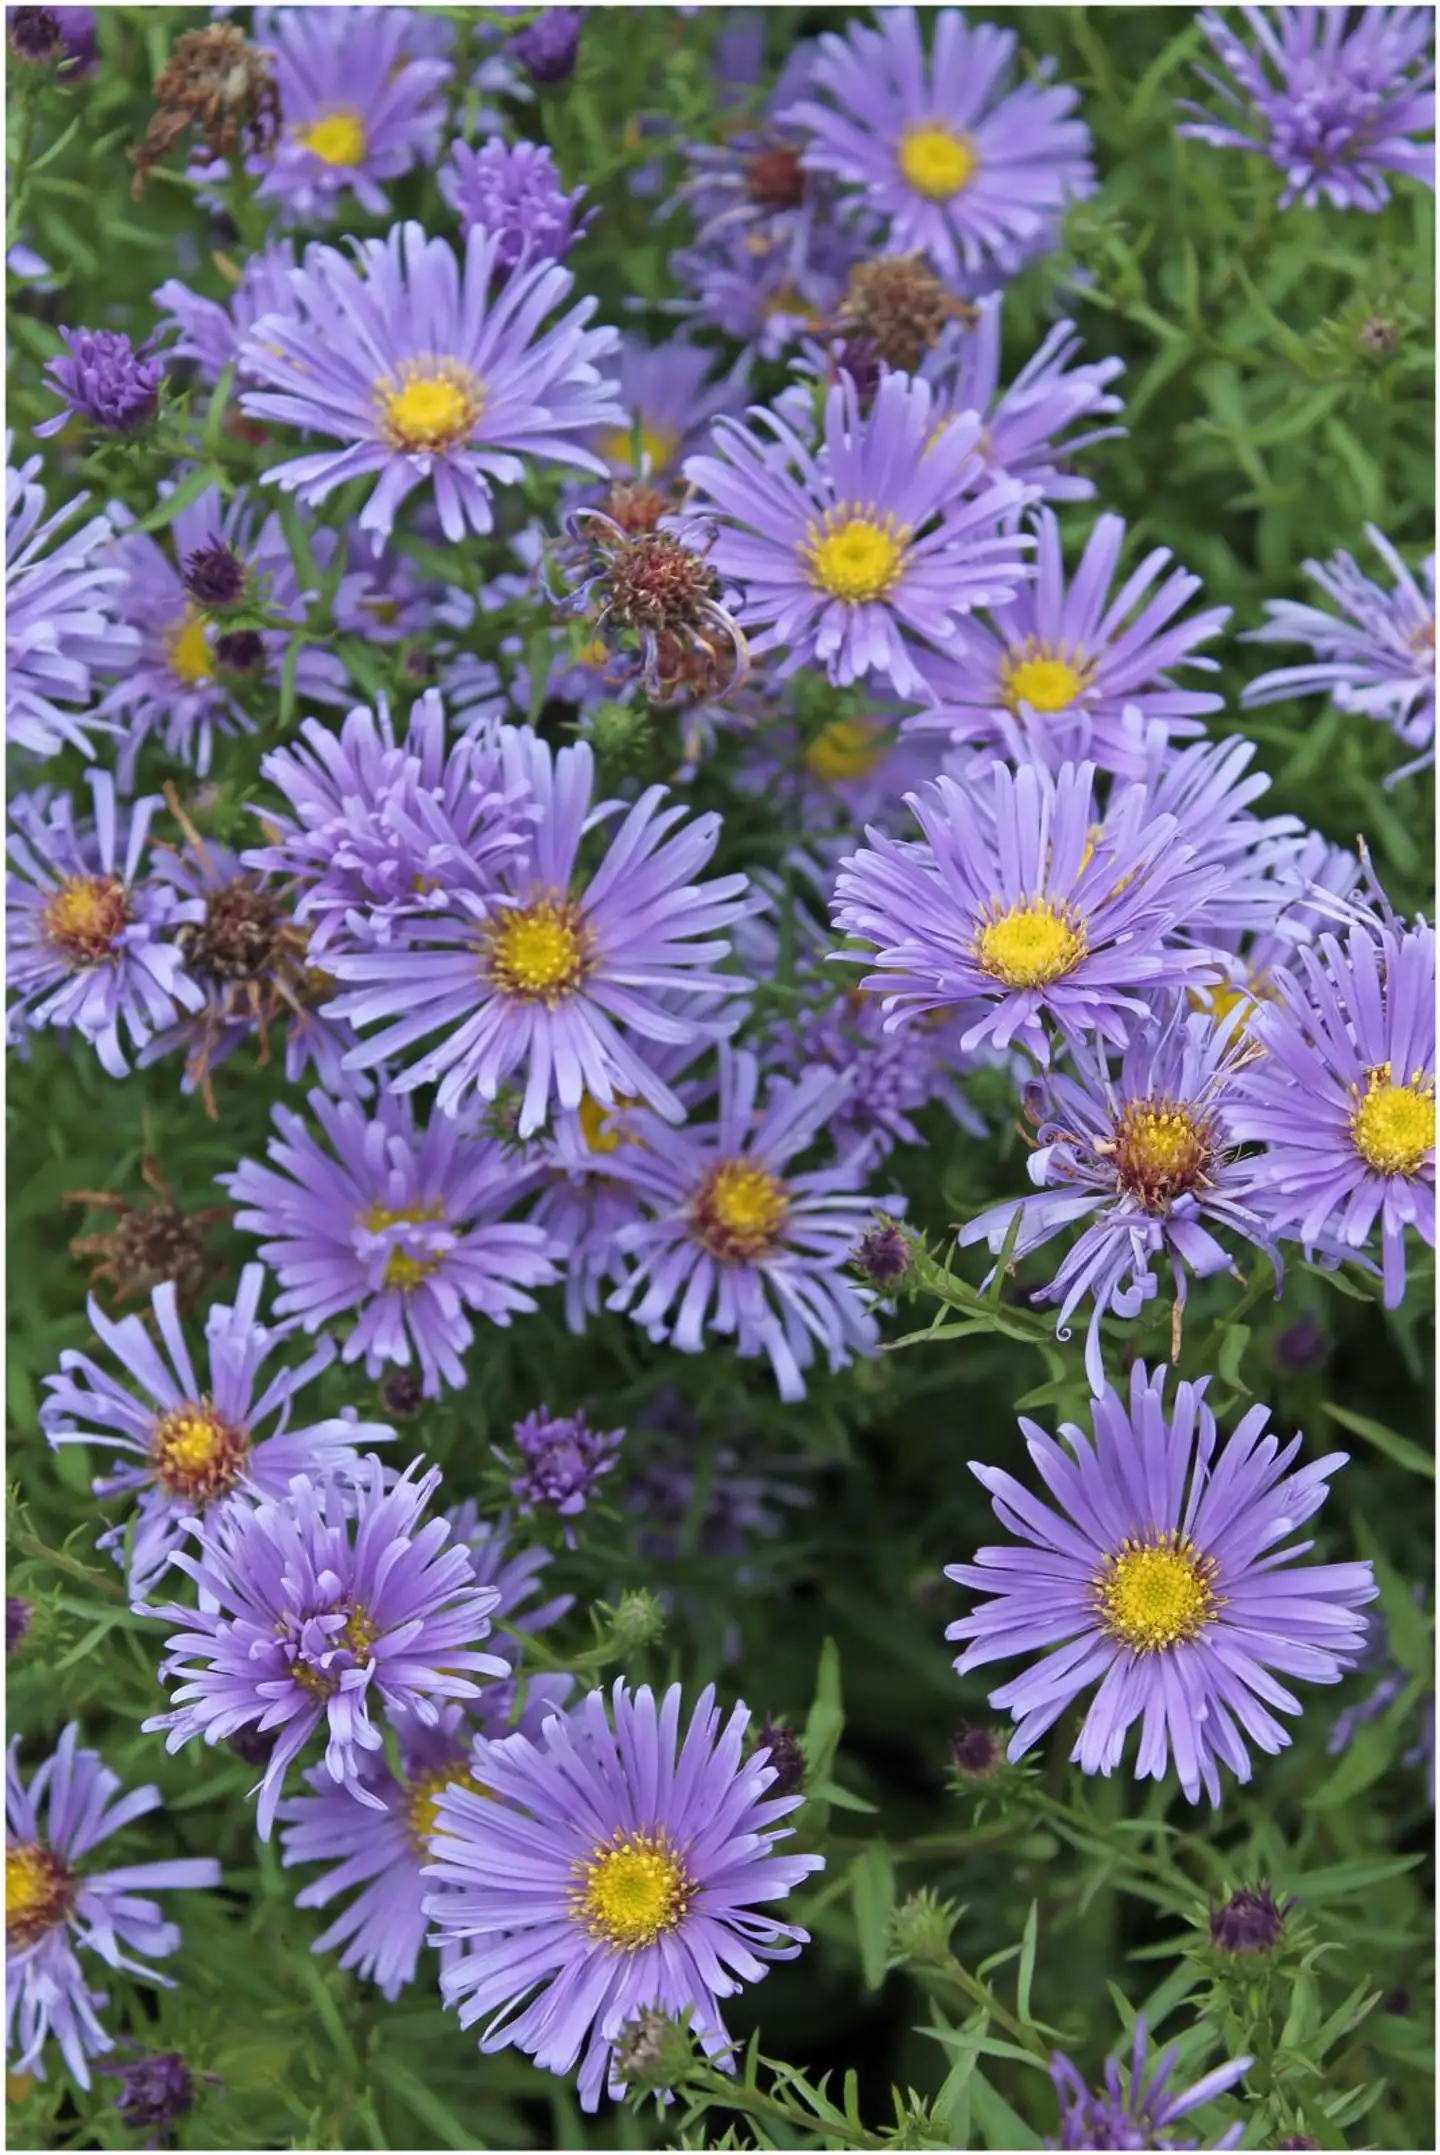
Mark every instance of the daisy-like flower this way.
pixel 859 554
pixel 181 686
pixel 210 333
pixel 513 190
pixel 61 622
pixel 514 1574
pixel 544 976
pixel 385 828
pixel 1145 1161
pixel 385 1849
pixel 1067 666
pixel 610 1869
pixel 91 938
pixel 406 1227
pixel 736 1244
pixel 668 391
pixel 1161 1575
pixel 103 380
pixel 1021 900
pixel 972 177
pixel 199 1444
pixel 1375 656
pixel 1344 1096
pixel 1335 97
pixel 358 108
pixel 317 1607
pixel 428 374
pixel 55 1903
pixel 1145 2114
pixel 766 300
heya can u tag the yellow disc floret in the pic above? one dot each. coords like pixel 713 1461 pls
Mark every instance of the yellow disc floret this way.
pixel 401 1270
pixel 196 1453
pixel 936 161
pixel 422 1800
pixel 739 1211
pixel 1162 1148
pixel 434 405
pixel 1156 1593
pixel 658 446
pixel 1047 678
pixel 847 748
pixel 1393 1126
pixel 336 138
pixel 632 1890
pixel 188 647
pixel 539 952
pixel 1031 944
pixel 84 917
pixel 37 1892
pixel 855 555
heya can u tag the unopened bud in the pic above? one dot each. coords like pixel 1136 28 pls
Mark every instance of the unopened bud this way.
pixel 884 1255
pixel 1250 1922
pixel 653 2052
pixel 786 1757
pixel 636 1621
pixel 920 1929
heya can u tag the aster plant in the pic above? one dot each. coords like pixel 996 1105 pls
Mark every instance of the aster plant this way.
pixel 610 1866
pixel 429 375
pixel 1159 1572
pixel 328 1608
pixel 199 1445
pixel 57 1905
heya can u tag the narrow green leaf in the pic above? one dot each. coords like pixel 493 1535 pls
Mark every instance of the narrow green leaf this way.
pixel 872 1894
pixel 1026 1973
pixel 1399 1449
pixel 191 487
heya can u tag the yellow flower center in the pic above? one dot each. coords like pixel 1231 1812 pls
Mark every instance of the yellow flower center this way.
pixel 434 406
pixel 853 556
pixel 540 952
pixel 658 444
pixel 1156 1593
pixel 195 1453
pixel 1218 1001
pixel 1046 679
pixel 1030 945
pixel 357 1633
pixel 191 658
pixel 422 1801
pixel 85 916
pixel 597 1129
pixel 37 1892
pixel 739 1211
pixel 1161 1150
pixel 336 138
pixel 1394 1125
pixel 935 160
pixel 401 1270
pixel 632 1890
pixel 848 748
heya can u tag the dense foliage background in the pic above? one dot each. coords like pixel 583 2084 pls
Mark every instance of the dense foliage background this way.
pixel 1260 432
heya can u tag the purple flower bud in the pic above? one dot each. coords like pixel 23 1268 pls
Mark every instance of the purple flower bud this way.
pixel 883 1255
pixel 240 652
pixel 104 380
pixel 564 1459
pixel 214 575
pixel 1251 1921
pixel 17 1621
pixel 155 2091
pixel 547 49
pixel 34 34
pixel 514 191
pixel 1302 1346
pixel 786 1757
pixel 977 1753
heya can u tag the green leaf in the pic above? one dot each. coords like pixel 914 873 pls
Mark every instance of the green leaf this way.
pixel 1399 1449
pixel 1001 2126
pixel 872 1894
pixel 191 487
pixel 1026 1973
pixel 422 2102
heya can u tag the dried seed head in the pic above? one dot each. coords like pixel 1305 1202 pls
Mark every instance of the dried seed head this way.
pixel 901 306
pixel 775 177
pixel 148 1244
pixel 218 85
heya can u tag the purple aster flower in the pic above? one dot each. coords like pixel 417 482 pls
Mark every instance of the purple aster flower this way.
pixel 405 1227
pixel 547 49
pixel 513 191
pixel 316 1606
pixel 18 1618
pixel 1344 1095
pixel 972 179
pixel 1161 1576
pixel 384 830
pixel 1144 1160
pixel 91 940
pixel 1377 657
pixel 667 390
pixel 384 1847
pixel 732 1237
pixel 563 1459
pixel 181 686
pixel 584 1205
pixel 766 299
pixel 210 333
pixel 104 381
pixel 1026 424
pixel 427 373
pixel 60 623
pixel 200 1446
pixel 54 1903
pixel 542 976
pixel 359 109
pixel 1145 2114
pixel 1021 901
pixel 602 1873
pixel 514 1574
pixel 39 35
pixel 157 2089
pixel 1067 666
pixel 1333 97
pixel 858 556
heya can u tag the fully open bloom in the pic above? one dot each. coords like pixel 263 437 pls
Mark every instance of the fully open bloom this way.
pixel 54 1903
pixel 862 552
pixel 1020 901
pixel 1376 655
pixel 1142 2115
pixel 405 1226
pixel 671 392
pixel 211 333
pixel 1161 1574
pixel 604 1870
pixel 199 1444
pixel 61 624
pixel 735 1243
pixel 1344 1095
pixel 1351 90
pixel 549 976
pixel 974 179
pixel 427 373
pixel 317 1608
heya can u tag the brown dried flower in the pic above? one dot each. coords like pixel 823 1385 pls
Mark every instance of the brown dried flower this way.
pixel 220 86
pixel 149 1243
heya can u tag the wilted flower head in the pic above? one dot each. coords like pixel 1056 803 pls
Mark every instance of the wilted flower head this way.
pixel 148 1243
pixel 217 84
pixel 653 599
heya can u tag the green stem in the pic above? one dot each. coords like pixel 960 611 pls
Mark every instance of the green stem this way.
pixel 29 1544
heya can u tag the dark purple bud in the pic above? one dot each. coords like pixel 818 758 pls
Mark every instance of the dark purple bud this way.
pixel 977 1753
pixel 34 34
pixel 1251 1921
pixel 548 48
pixel 252 1745
pixel 786 1757
pixel 883 1255
pixel 17 1621
pixel 155 2091
pixel 214 575
pixel 241 652
pixel 1302 1347
pixel 401 1393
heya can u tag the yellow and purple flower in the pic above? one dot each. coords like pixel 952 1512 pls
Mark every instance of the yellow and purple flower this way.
pixel 61 617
